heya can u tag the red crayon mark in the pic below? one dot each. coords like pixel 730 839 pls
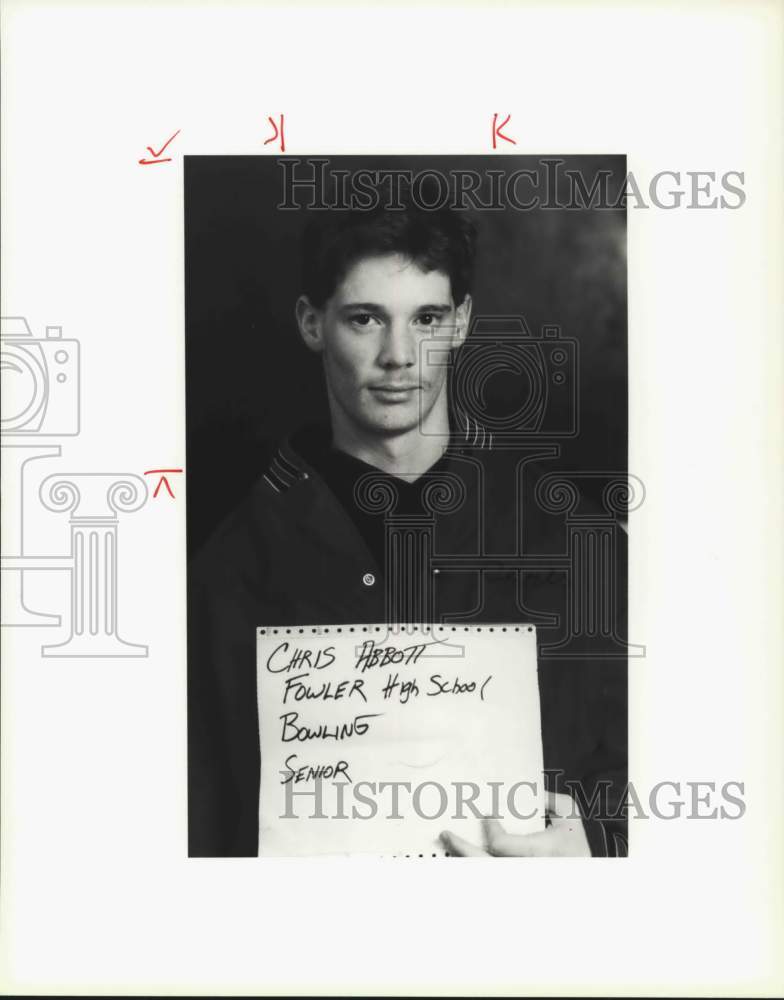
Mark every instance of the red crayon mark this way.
pixel 497 130
pixel 166 159
pixel 163 481
pixel 277 132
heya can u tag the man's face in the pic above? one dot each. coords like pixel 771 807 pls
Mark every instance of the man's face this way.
pixel 373 334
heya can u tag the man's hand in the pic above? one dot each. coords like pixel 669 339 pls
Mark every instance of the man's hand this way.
pixel 563 838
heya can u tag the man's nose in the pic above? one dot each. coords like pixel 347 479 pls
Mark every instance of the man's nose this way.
pixel 398 348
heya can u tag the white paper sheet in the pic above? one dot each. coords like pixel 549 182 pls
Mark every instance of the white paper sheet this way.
pixel 450 714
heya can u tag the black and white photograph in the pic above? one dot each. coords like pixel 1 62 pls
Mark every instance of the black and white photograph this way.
pixel 391 498
pixel 407 451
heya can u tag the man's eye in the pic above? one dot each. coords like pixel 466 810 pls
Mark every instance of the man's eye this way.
pixel 427 319
pixel 361 319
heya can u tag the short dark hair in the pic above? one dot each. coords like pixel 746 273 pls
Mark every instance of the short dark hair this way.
pixel 440 240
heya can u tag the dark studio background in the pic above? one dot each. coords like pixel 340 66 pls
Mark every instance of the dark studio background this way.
pixel 249 377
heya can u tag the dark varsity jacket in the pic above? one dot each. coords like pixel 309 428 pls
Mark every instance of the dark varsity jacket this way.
pixel 491 551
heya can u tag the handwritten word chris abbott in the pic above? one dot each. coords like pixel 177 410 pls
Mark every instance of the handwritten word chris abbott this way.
pixel 281 660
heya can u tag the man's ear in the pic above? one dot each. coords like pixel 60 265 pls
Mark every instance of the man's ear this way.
pixel 462 322
pixel 309 323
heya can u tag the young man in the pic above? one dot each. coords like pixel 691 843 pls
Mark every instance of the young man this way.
pixel 347 523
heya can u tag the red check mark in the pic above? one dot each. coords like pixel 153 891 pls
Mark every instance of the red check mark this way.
pixel 152 151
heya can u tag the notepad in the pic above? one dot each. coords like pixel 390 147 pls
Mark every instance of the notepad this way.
pixel 376 738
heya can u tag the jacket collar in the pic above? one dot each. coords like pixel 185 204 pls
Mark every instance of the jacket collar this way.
pixel 289 463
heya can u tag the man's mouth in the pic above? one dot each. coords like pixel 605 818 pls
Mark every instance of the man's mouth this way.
pixel 394 387
pixel 394 393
